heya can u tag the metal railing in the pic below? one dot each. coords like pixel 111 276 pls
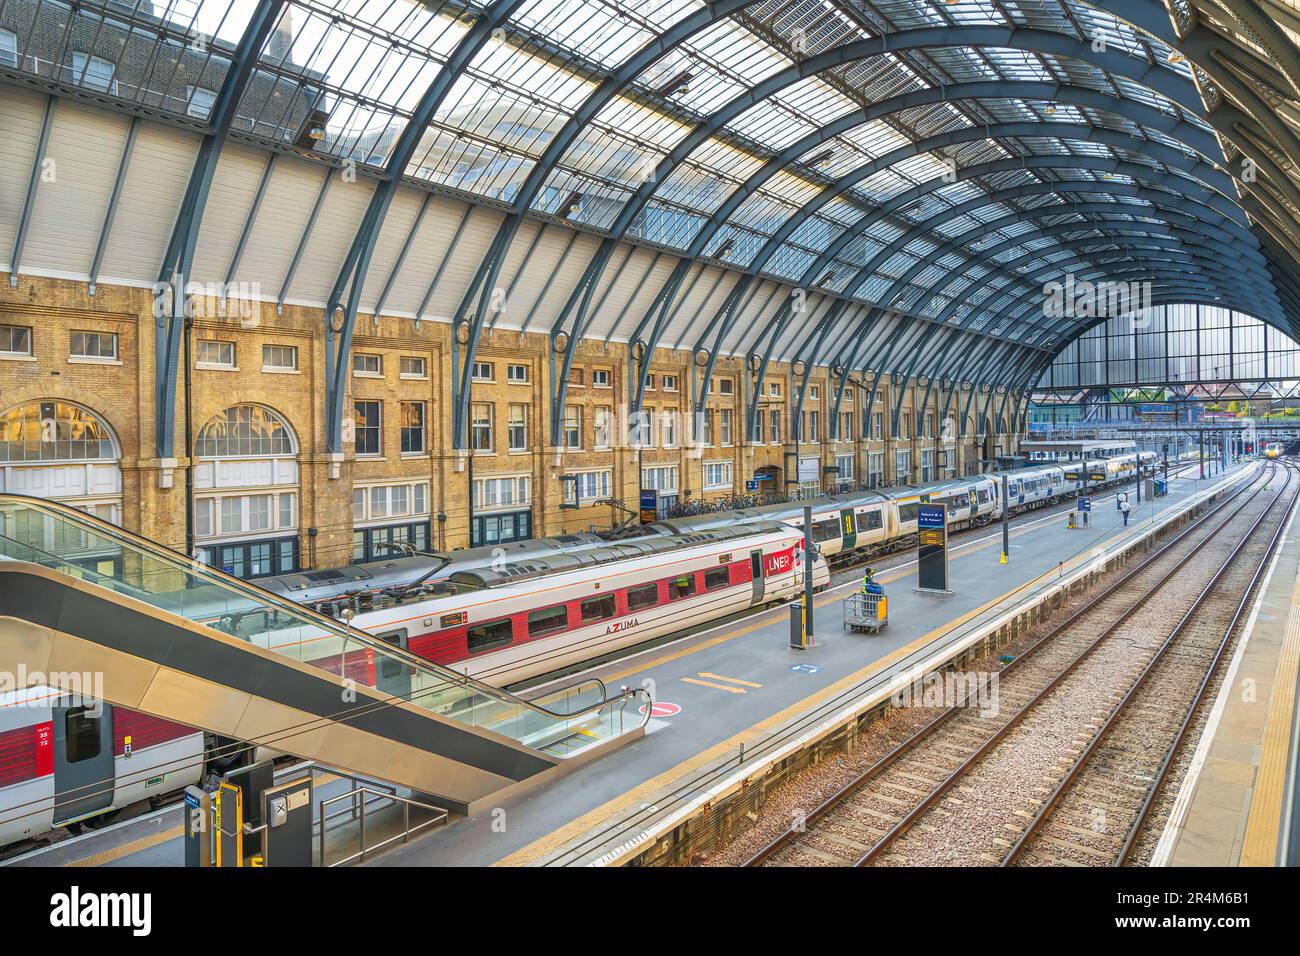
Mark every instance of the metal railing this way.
pixel 362 797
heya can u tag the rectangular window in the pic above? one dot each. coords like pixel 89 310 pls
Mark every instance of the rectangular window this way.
pixel 15 340
pixel 367 365
pixel 776 427
pixel 483 372
pixel 413 428
pixel 726 386
pixel 213 354
pixel 572 426
pixel 279 358
pixel 481 427
pixel 101 346
pixel 599 608
pixel 642 429
pixel 844 465
pixel 412 366
pixel 663 478
pixel 486 637
pixel 681 587
pixel 717 474
pixel 517 374
pixel 232 519
pixel 518 427
pixel 8 48
pixel 81 735
pixel 587 486
pixel 774 389
pixel 600 378
pixel 670 383
pixel 669 427
pixel 93 72
pixel 203 517
pixel 715 578
pixel 846 426
pixel 725 425
pixel 201 101
pixel 814 426
pixel 604 425
pixel 645 596
pixel 814 392
pixel 877 425
pixel 259 512
pixel 547 620
pixel 706 427
pixel 507 492
pixel 367 419
pixel 286 511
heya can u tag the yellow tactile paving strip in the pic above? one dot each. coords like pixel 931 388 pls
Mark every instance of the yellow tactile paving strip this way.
pixel 1233 805
pixel 554 841
pixel 1260 847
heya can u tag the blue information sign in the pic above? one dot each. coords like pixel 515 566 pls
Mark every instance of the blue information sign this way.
pixel 751 485
pixel 649 505
pixel 1085 504
pixel 931 516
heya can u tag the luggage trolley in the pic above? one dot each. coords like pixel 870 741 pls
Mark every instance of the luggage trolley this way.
pixel 866 612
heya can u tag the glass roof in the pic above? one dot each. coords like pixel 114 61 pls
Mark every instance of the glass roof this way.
pixel 342 79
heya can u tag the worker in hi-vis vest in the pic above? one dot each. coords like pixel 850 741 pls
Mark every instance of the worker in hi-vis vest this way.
pixel 869 585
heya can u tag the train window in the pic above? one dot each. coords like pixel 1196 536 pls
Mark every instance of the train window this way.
pixel 547 620
pixel 869 521
pixel 391 667
pixel 825 530
pixel 486 637
pixel 593 609
pixel 681 587
pixel 907 512
pixel 82 735
pixel 716 578
pixel 645 596
pixel 984 495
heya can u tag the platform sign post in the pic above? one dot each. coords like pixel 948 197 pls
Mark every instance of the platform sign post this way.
pixel 932 549
pixel 808 573
pixel 649 506
pixel 1006 522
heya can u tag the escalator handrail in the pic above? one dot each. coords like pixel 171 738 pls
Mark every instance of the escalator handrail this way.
pixel 196 568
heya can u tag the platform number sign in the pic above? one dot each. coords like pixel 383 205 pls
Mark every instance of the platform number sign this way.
pixel 1085 504
pixel 932 549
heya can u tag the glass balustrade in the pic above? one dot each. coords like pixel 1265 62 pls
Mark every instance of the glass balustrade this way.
pixel 64 539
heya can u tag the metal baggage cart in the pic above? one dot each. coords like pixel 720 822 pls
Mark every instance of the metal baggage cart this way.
pixel 866 612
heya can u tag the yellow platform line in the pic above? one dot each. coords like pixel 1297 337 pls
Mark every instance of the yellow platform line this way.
pixel 1259 847
pixel 709 683
pixel 730 680
pixel 642 793
pixel 126 849
pixel 589 821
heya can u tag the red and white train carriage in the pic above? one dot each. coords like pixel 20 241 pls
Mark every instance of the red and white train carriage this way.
pixel 64 760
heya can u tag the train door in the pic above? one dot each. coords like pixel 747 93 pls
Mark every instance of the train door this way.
pixel 848 530
pixel 756 574
pixel 391 675
pixel 83 761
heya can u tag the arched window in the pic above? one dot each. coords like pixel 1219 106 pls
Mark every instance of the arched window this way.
pixel 54 431
pixel 246 492
pixel 64 452
pixel 245 431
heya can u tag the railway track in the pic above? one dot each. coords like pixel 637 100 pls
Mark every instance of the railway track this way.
pixel 1054 775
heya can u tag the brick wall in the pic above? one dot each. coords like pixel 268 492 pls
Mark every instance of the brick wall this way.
pixel 121 393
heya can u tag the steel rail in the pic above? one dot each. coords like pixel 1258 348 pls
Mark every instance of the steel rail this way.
pixel 1045 811
pixel 906 746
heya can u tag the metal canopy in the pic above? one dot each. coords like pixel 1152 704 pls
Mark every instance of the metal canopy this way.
pixel 938 161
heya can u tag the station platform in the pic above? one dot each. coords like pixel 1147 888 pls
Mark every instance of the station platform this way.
pixel 730 693
pixel 1236 804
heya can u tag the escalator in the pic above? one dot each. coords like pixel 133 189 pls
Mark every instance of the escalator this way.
pixel 181 641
